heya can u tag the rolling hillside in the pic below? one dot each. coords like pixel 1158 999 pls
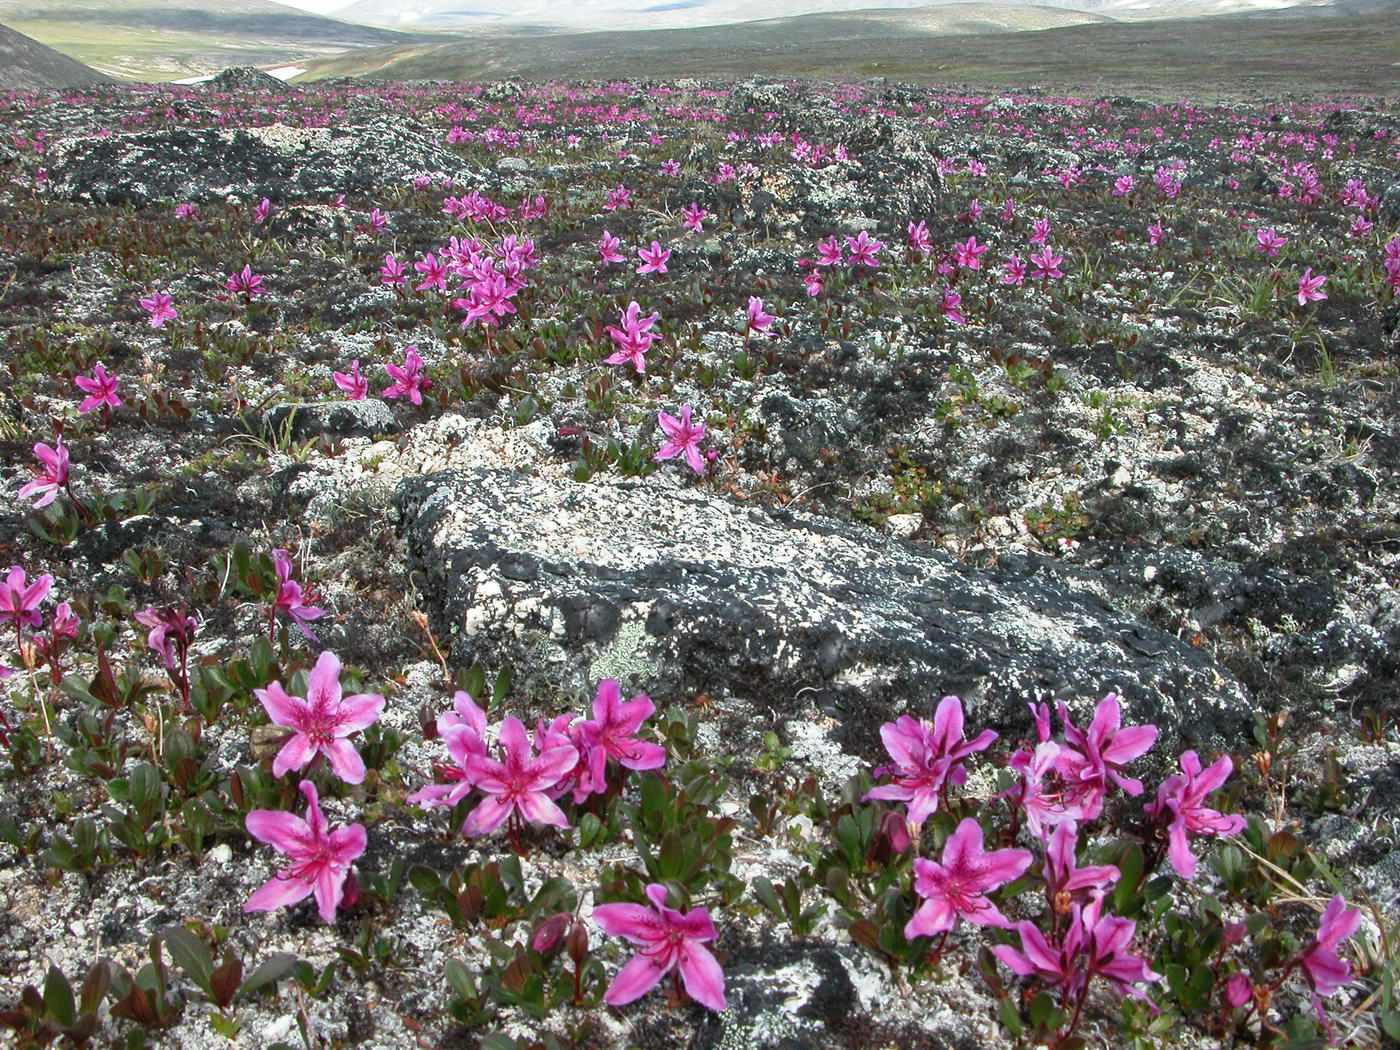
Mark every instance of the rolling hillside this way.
pixel 27 65
pixel 169 39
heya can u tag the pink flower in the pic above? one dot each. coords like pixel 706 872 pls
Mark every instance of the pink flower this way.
pixel 519 784
pixel 1123 185
pixel 670 168
pixel 634 338
pixel 378 221
pixel 1015 271
pixel 969 254
pixel 322 859
pixel 863 250
pixel 1181 805
pixel 1047 264
pixel 1093 945
pixel 409 379
pixel 463 730
pixel 1107 746
pixel 1040 230
pixel 813 282
pixel 1270 242
pixel 1064 879
pixel 1239 989
pixel 653 259
pixel 829 252
pixel 19 599
pixel 611 733
pixel 682 438
pixel 1325 971
pixel 246 282
pixel 290 598
pixel 949 305
pixel 171 631
pixel 392 272
pixel 668 939
pixel 101 390
pixel 261 210
pixel 607 248
pixel 50 476
pixel 927 758
pixel 919 239
pixel 434 271
pixel 618 198
pixel 1156 234
pixel 187 210
pixel 758 320
pixel 958 886
pixel 321 721
pixel 1310 287
pixel 158 306
pixel 356 386
pixel 693 217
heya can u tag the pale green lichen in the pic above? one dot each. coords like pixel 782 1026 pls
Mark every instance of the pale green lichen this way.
pixel 625 657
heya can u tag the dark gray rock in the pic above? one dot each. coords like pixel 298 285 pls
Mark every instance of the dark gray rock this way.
pixel 676 593
pixel 365 418
pixel 780 997
pixel 247 78
pixel 278 162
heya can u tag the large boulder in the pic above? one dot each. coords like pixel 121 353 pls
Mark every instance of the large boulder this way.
pixel 280 162
pixel 678 593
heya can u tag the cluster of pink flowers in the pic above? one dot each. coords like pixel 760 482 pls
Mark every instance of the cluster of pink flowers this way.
pixel 634 338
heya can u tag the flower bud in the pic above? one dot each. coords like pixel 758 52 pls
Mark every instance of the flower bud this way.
pixel 1239 989
pixel 550 933
pixel 578 943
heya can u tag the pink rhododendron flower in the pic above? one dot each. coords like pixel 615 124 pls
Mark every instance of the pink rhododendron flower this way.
pixel 634 338
pixel 829 252
pixel 463 731
pixel 1065 881
pixel 186 210
pixel 958 885
pixel 1181 806
pixel 409 379
pixel 261 210
pixel 321 721
pixel 434 271
pixel 1239 989
pixel 1047 264
pixel 1123 185
pixel 949 304
pixel 653 259
pixel 1156 234
pixel 813 283
pixel 927 757
pixel 1325 971
pixel 289 597
pixel 1015 273
pixel 607 248
pixel 1040 230
pixel 355 385
pixel 321 857
pixel 101 390
pixel 392 272
pixel 618 198
pixel 612 731
pixel 19 599
pixel 670 168
pixel 863 249
pixel 518 785
pixel 682 438
pixel 171 632
pixel 693 217
pixel 969 254
pixel 919 239
pixel 758 319
pixel 669 940
pixel 157 304
pixel 1093 945
pixel 49 476
pixel 1107 746
pixel 245 282
pixel 1270 242
pixel 1310 287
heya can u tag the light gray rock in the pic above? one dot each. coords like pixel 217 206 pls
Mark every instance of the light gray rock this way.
pixel 677 593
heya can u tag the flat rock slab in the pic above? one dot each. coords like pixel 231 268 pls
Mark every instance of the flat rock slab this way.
pixel 677 593
pixel 276 161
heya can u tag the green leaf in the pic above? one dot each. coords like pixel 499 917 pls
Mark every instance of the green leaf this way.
pixel 225 979
pixel 590 829
pixel 767 895
pixel 95 985
pixel 58 997
pixel 192 956
pixel 460 979
pixel 268 972
pixel 1010 1018
pixel 1044 1014
pixel 424 879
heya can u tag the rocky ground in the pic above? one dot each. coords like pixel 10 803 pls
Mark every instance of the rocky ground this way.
pixel 1152 471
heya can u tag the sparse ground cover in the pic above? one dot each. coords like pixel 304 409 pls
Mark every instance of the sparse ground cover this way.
pixel 1147 350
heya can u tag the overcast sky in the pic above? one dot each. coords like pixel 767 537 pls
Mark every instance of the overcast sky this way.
pixel 321 7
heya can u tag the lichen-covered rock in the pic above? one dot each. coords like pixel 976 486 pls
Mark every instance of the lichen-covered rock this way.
pixel 678 594
pixel 307 419
pixel 247 78
pixel 276 161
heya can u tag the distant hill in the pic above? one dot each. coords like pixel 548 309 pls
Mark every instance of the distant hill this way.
pixel 169 39
pixel 687 14
pixel 27 65
pixel 965 43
